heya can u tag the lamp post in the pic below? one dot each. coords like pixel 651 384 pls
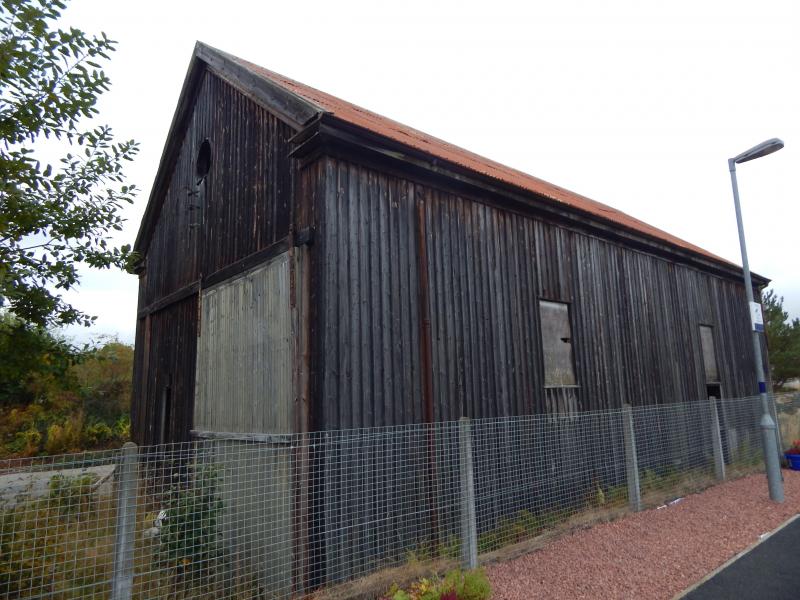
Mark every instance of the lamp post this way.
pixel 768 428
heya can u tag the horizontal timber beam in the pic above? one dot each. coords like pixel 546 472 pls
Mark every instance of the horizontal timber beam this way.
pixel 170 299
pixel 283 439
pixel 248 262
pixel 232 270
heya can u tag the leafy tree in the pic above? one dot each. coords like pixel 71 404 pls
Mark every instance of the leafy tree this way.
pixel 32 359
pixel 783 337
pixel 104 376
pixel 56 398
pixel 52 219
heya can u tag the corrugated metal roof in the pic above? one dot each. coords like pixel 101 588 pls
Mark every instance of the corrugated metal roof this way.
pixel 419 140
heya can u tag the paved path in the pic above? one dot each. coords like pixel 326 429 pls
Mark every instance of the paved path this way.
pixel 771 571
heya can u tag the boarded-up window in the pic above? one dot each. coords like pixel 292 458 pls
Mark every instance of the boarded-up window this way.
pixel 709 357
pixel 556 344
pixel 244 355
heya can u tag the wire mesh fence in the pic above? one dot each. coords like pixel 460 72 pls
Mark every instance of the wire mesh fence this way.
pixel 279 516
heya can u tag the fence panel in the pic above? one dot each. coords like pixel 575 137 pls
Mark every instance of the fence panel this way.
pixel 279 516
pixel 532 472
pixel 58 518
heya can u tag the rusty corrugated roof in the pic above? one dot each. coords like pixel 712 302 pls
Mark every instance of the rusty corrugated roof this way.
pixel 433 146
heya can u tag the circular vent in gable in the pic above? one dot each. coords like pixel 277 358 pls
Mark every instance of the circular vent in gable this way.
pixel 203 163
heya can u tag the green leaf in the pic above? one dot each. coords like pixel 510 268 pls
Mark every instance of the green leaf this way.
pixel 47 90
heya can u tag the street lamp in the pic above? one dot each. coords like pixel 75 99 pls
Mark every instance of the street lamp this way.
pixel 768 429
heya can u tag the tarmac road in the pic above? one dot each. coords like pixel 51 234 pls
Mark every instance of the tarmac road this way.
pixel 770 571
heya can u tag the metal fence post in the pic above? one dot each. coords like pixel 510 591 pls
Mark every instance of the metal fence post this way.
pixel 469 533
pixel 778 436
pixel 631 462
pixel 125 536
pixel 716 440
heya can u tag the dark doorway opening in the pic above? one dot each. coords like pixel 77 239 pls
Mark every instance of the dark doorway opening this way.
pixel 713 390
pixel 166 415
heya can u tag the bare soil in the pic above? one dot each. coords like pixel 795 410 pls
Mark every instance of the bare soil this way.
pixel 657 553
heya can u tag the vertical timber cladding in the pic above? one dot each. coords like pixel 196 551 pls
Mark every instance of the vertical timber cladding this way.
pixel 634 316
pixel 241 207
pixel 245 385
pixel 139 416
pixel 369 372
pixel 367 367
pixel 634 319
pixel 243 204
pixel 166 376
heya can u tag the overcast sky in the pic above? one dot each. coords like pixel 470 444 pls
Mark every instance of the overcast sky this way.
pixel 635 104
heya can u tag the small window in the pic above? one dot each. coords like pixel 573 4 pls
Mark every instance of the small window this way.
pixel 556 344
pixel 709 357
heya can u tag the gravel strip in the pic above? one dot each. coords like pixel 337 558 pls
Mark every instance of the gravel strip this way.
pixel 652 554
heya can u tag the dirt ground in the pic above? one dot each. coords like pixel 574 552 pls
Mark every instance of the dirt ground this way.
pixel 656 553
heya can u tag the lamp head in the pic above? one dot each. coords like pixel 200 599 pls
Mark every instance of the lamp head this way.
pixel 762 149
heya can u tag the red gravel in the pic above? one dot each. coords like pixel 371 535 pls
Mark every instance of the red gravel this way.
pixel 651 554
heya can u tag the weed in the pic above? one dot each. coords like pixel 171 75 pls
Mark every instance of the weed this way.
pixel 514 529
pixel 664 478
pixel 456 585
pixel 746 455
pixel 617 495
pixel 72 496
pixel 467 585
pixel 59 543
pixel 64 437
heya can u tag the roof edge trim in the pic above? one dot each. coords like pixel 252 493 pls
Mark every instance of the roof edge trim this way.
pixel 330 127
pixel 194 75
pixel 292 108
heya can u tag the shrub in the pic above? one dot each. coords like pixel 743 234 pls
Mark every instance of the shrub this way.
pixel 64 437
pixel 456 585
pixel 512 529
pixel 470 585
pixel 85 406
pixel 122 428
pixel 19 574
pixel 27 442
pixel 190 531
pixel 104 377
pixel 21 430
pixel 98 434
pixel 72 496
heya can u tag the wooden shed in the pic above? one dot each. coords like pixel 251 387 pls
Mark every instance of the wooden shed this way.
pixel 307 264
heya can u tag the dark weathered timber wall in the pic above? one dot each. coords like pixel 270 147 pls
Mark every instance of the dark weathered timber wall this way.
pixel 140 368
pixel 170 363
pixel 368 360
pixel 635 317
pixel 244 204
pixel 241 207
pixel 635 327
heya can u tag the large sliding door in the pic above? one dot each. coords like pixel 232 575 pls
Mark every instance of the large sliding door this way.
pixel 244 390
